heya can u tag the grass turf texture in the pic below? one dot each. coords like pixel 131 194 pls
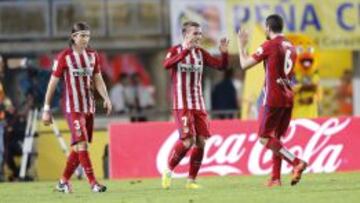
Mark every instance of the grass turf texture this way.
pixel 327 188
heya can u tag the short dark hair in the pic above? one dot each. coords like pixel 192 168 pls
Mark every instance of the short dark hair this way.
pixel 188 24
pixel 78 26
pixel 275 23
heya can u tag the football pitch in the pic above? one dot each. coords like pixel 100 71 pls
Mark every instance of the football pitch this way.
pixel 336 187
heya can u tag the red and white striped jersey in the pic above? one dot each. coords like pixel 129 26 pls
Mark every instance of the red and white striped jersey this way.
pixel 186 68
pixel 77 70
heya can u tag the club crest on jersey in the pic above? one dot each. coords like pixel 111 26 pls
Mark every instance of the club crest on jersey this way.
pixel 82 72
pixel 190 67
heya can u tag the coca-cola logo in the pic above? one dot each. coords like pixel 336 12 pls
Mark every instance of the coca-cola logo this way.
pixel 225 153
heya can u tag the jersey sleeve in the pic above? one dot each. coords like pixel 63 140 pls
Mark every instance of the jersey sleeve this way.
pixel 97 68
pixel 172 57
pixel 59 67
pixel 262 52
pixel 214 62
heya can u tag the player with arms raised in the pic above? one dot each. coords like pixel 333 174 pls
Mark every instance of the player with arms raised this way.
pixel 279 58
pixel 186 62
pixel 79 66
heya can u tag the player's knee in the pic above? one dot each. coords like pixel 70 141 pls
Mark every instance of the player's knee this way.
pixel 200 142
pixel 188 142
pixel 264 140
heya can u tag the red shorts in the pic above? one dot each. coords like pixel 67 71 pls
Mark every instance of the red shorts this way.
pixel 192 123
pixel 81 126
pixel 274 121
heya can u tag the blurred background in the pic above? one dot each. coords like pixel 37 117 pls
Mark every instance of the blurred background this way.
pixel 132 38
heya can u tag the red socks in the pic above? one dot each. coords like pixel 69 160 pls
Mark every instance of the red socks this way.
pixel 276 170
pixel 196 157
pixel 86 164
pixel 71 165
pixel 179 151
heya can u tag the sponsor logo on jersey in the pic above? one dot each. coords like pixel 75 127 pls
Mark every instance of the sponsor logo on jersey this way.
pixel 82 72
pixel 190 67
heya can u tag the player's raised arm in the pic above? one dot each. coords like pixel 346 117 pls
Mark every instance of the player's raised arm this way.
pixel 46 116
pixel 246 61
pixel 218 63
pixel 101 88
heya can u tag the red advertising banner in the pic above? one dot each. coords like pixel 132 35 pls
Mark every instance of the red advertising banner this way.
pixel 142 149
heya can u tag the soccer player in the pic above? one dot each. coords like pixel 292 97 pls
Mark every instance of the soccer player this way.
pixel 79 66
pixel 279 58
pixel 186 62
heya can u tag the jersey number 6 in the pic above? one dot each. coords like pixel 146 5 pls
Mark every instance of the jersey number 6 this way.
pixel 288 63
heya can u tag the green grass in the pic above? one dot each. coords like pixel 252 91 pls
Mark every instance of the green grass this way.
pixel 336 187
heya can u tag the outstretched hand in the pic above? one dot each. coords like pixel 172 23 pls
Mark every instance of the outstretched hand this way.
pixel 243 38
pixel 224 44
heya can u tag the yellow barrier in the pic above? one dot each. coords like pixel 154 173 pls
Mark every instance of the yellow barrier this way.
pixel 51 159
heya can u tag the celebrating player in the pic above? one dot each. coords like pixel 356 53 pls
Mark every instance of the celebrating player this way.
pixel 279 58
pixel 79 67
pixel 186 62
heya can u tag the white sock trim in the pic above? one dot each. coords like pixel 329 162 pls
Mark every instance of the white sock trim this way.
pixel 287 154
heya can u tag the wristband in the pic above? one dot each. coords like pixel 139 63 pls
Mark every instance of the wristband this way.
pixel 46 107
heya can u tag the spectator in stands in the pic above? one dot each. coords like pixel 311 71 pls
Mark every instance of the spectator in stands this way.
pixel 238 84
pixel 15 134
pixel 224 97
pixel 2 125
pixel 2 119
pixel 5 105
pixel 117 94
pixel 345 94
pixel 2 70
pixel 3 79
pixel 15 131
pixel 139 98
